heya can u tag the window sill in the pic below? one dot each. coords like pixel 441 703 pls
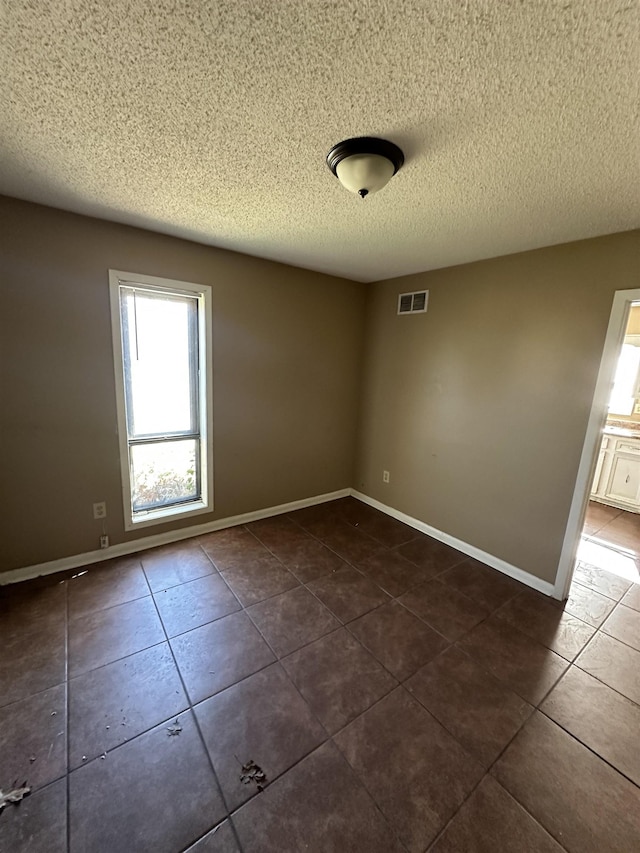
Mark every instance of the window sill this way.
pixel 165 514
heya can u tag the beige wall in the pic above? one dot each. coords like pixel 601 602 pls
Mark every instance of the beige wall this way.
pixel 478 409
pixel 286 349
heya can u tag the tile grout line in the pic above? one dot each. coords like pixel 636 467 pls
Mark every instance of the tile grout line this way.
pixel 312 580
pixel 115 660
pixel 600 681
pixel 366 576
pixel 312 592
pixel 618 640
pixel 239 609
pixel 127 741
pixel 328 739
pixel 191 707
pixel 363 785
pixel 165 588
pixel 332 549
pixel 537 708
pixel 424 621
pixel 599 592
pixel 511 793
pixel 589 748
pixel 557 606
pixel 271 553
pixel 343 624
pixel 200 735
pixel 35 693
pixel 571 663
pixel 500 683
pixel 507 791
pixel 402 686
pixel 278 661
pixel 392 598
pixel 610 615
pixel 188 707
pixel 340 627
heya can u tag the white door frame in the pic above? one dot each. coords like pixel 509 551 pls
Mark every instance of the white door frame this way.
pixel 612 345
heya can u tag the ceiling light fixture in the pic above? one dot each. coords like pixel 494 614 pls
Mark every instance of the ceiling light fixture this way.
pixel 365 164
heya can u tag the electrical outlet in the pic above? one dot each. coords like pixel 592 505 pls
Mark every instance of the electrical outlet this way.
pixel 385 476
pixel 104 541
pixel 100 510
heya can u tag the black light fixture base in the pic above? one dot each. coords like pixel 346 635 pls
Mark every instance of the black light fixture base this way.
pixel 364 145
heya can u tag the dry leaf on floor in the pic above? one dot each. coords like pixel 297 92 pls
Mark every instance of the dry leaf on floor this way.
pixel 252 773
pixel 174 729
pixel 14 796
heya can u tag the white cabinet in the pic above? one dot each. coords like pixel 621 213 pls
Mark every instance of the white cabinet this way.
pixel 617 477
pixel 624 480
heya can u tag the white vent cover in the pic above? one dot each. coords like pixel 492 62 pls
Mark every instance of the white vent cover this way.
pixel 413 303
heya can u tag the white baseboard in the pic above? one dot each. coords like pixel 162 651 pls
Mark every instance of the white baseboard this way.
pixel 124 548
pixel 470 550
pixel 135 545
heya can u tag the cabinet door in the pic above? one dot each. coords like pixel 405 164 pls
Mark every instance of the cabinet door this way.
pixel 624 481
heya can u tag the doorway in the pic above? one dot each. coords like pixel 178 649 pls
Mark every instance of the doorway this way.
pixel 603 529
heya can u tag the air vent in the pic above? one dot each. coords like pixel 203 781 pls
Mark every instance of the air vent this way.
pixel 413 303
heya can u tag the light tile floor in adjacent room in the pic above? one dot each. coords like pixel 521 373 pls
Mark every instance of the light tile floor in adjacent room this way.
pixel 611 541
pixel 330 680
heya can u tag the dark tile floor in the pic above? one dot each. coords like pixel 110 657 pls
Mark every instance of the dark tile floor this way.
pixel 397 696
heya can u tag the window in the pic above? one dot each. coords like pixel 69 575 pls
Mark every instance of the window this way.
pixel 162 351
pixel 625 388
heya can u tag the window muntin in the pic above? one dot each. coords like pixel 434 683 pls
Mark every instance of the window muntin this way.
pixel 162 333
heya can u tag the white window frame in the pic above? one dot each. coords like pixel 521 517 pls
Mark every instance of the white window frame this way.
pixel 134 520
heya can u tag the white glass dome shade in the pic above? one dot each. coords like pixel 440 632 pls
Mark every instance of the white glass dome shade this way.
pixel 365 173
pixel 364 164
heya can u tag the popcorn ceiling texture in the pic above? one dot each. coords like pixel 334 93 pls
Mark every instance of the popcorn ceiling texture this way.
pixel 211 120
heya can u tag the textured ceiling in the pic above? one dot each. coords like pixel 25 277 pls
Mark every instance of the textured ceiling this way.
pixel 211 120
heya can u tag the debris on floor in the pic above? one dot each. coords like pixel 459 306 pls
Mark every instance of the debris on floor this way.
pixel 174 728
pixel 252 773
pixel 79 575
pixel 15 795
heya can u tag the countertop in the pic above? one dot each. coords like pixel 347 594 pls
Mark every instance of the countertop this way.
pixel 625 429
